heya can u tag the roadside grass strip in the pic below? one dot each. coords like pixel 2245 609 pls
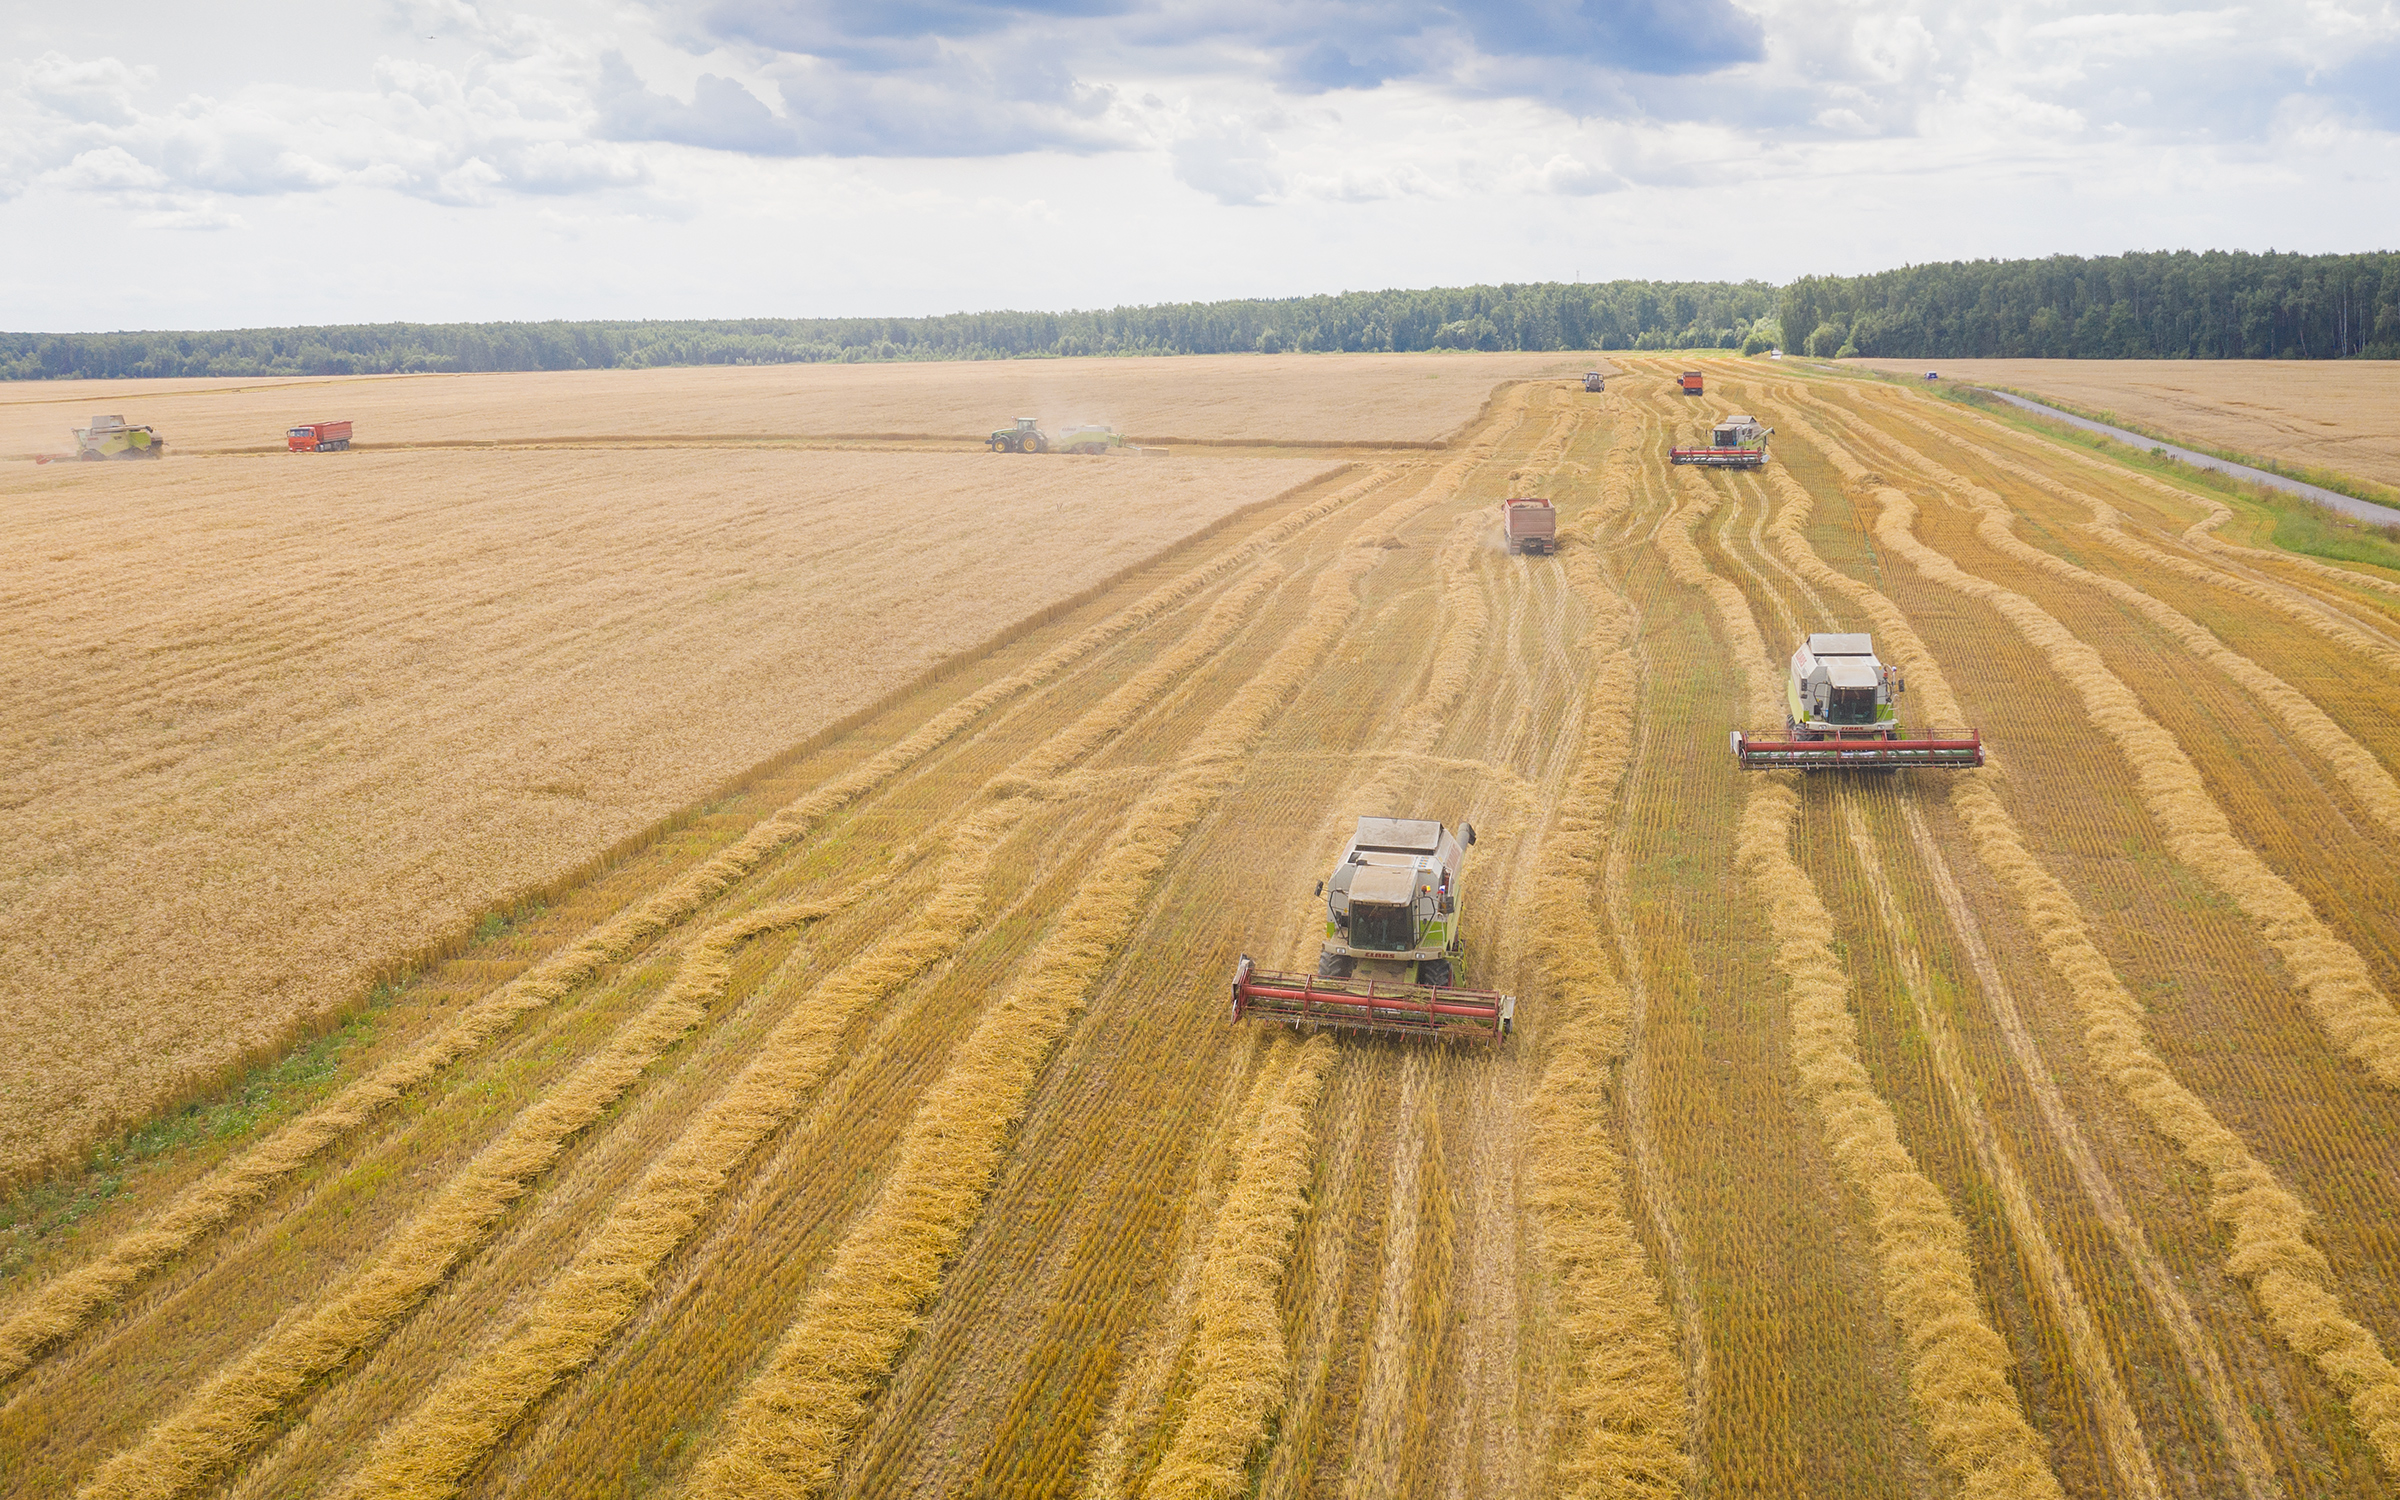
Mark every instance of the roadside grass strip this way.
pixel 62 1306
pixel 1957 1365
pixel 2270 1252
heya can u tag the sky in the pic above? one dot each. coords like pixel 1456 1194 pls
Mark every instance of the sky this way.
pixel 271 163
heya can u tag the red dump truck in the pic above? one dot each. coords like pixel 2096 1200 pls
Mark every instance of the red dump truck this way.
pixel 1690 382
pixel 1532 526
pixel 319 437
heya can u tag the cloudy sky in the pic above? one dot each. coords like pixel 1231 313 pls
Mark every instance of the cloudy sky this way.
pixel 274 162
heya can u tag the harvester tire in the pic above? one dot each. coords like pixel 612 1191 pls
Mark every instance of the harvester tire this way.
pixel 1435 971
pixel 1336 965
pixel 92 455
pixel 1036 445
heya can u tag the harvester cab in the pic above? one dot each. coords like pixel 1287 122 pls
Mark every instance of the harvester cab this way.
pixel 109 437
pixel 1026 437
pixel 1840 714
pixel 1391 953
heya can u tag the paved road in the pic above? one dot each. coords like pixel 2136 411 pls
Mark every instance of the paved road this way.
pixel 2349 505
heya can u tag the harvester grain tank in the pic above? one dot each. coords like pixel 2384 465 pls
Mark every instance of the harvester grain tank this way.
pixel 1840 714
pixel 1026 437
pixel 1736 442
pixel 110 437
pixel 1089 440
pixel 1593 382
pixel 1689 382
pixel 319 437
pixel 1391 953
pixel 1532 526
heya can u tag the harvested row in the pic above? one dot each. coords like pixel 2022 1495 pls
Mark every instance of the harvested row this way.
pixel 235 1410
pixel 1958 1365
pixel 789 1427
pixel 1626 1415
pixel 1242 1368
pixel 2204 1366
pixel 69 1301
pixel 2288 1275
pixel 2365 776
pixel 2106 525
pixel 1465 618
pixel 2121 1433
pixel 2330 973
pixel 469 1413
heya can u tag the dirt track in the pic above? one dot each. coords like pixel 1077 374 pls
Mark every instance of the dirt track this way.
pixel 885 1134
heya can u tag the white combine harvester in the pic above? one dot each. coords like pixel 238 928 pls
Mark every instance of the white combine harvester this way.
pixel 1390 957
pixel 1840 715
pixel 1736 442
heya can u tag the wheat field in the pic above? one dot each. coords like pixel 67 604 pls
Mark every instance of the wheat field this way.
pixel 1250 399
pixel 881 1129
pixel 2326 414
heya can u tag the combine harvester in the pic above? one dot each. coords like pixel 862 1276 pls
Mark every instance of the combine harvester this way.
pixel 1391 933
pixel 1840 718
pixel 1737 442
pixel 109 437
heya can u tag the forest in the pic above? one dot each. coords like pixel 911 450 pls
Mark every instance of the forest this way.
pixel 2178 305
pixel 2164 305
pixel 1550 315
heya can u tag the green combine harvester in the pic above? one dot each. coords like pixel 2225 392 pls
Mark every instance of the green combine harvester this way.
pixel 109 437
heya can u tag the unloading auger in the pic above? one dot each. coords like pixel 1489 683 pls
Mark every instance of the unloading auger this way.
pixel 1840 716
pixel 1391 946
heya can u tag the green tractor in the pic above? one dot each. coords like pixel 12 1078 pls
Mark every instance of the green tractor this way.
pixel 1026 437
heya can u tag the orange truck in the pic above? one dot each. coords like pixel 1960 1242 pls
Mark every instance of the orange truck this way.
pixel 319 437
pixel 1690 382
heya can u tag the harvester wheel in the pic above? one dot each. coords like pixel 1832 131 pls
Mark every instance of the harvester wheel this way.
pixel 1036 445
pixel 1336 965
pixel 91 455
pixel 1434 971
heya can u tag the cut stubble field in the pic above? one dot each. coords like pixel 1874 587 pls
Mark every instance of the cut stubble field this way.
pixel 880 1130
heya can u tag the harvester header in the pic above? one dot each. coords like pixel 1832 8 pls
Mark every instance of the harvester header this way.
pixel 1389 959
pixel 1736 442
pixel 1840 715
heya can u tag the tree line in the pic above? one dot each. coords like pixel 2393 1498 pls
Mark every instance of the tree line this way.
pixel 2167 305
pixel 1547 315
pixel 2217 305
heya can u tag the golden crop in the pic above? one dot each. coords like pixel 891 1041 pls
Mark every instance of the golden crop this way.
pixel 878 1128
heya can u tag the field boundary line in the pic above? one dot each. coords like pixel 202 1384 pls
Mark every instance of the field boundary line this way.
pixel 1958 1366
pixel 2201 533
pixel 2288 1276
pixel 54 1311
